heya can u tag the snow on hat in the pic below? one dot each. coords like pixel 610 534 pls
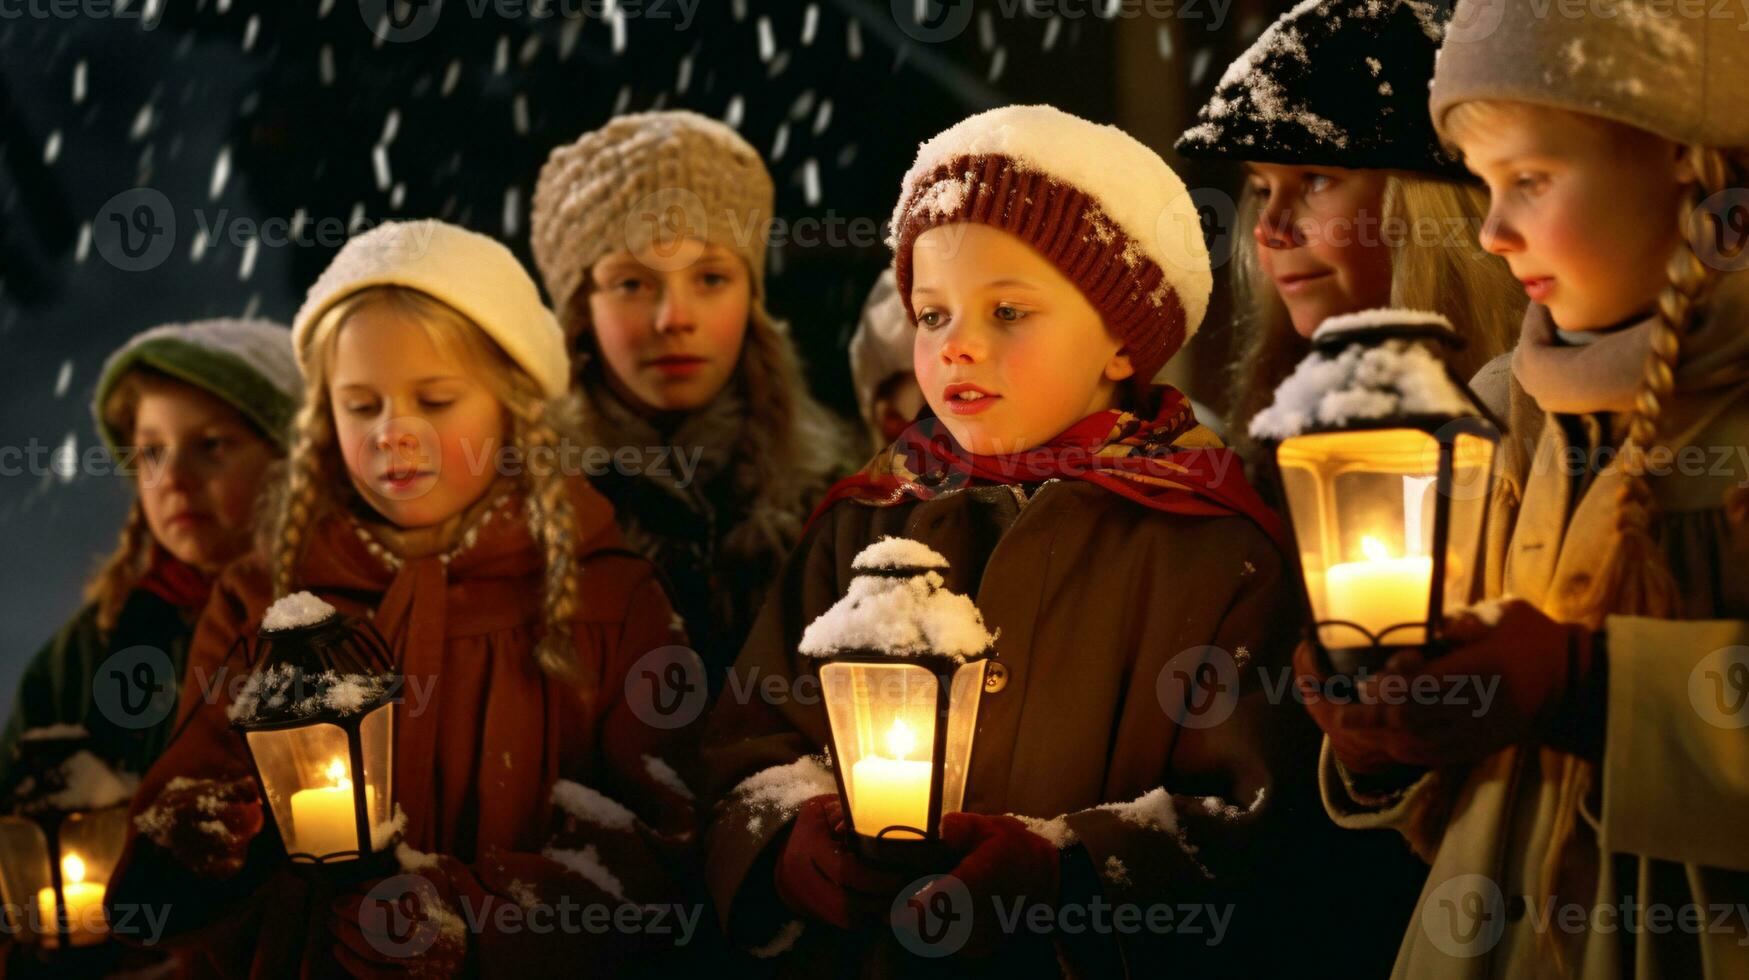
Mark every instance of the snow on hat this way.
pixel 471 272
pixel 646 178
pixel 1676 70
pixel 1096 203
pixel 882 344
pixel 1333 83
pixel 248 364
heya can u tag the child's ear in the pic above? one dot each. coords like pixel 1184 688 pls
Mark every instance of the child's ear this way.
pixel 1119 367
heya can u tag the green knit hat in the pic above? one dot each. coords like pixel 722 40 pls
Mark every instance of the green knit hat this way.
pixel 248 364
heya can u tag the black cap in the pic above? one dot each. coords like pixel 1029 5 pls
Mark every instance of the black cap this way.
pixel 1333 83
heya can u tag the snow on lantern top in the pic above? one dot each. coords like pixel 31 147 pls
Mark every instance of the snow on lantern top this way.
pixel 1368 366
pixel 897 605
pixel 312 663
pixel 296 611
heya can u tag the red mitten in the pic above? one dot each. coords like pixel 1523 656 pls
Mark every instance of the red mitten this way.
pixel 407 925
pixel 1000 861
pixel 819 875
pixel 1360 743
pixel 205 824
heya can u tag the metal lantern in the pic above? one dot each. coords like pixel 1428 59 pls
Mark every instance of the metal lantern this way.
pixel 318 715
pixel 1386 461
pixel 64 830
pixel 901 664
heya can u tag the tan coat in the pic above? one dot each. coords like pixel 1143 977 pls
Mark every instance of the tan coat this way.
pixel 1663 828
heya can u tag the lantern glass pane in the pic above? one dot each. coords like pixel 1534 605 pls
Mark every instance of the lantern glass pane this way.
pixel 883 729
pixel 1471 486
pixel 24 876
pixel 307 775
pixel 1363 505
pixel 91 844
pixel 962 724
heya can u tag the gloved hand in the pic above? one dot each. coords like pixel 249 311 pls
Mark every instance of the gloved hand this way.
pixel 1000 861
pixel 820 876
pixel 205 824
pixel 403 926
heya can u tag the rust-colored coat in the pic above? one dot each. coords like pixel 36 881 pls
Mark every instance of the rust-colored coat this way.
pixel 480 740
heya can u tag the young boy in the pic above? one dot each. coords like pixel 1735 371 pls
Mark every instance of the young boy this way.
pixel 1126 755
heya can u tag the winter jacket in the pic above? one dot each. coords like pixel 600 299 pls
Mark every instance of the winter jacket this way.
pixel 84 677
pixel 1098 602
pixel 1661 832
pixel 478 751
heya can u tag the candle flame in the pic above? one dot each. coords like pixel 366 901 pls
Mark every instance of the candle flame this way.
pixel 1374 549
pixel 337 774
pixel 900 740
pixel 72 869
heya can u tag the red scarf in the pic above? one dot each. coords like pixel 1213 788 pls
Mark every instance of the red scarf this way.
pixel 176 582
pixel 1170 463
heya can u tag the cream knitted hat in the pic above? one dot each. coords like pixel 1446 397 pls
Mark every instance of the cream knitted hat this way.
pixel 1677 70
pixel 643 180
pixel 473 273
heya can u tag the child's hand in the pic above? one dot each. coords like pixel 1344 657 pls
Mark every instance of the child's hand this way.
pixel 1517 680
pixel 403 926
pixel 1000 861
pixel 819 876
pixel 205 824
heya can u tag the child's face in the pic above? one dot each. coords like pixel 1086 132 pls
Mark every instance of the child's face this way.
pixel 418 428
pixel 1583 210
pixel 1320 240
pixel 995 318
pixel 201 467
pixel 670 331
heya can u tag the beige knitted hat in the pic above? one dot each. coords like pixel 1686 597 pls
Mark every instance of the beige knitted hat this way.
pixel 649 179
pixel 471 272
pixel 1674 69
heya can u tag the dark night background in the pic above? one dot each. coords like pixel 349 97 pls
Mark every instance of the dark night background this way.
pixel 241 113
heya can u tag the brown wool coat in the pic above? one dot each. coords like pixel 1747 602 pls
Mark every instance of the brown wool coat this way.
pixel 474 767
pixel 1095 597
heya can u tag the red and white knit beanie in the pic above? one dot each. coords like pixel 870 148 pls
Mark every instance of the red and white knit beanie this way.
pixel 1095 202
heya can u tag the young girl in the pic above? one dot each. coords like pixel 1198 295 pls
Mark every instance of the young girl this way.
pixel 423 494
pixel 197 414
pixel 1590 824
pixel 1349 202
pixel 651 236
pixel 1108 544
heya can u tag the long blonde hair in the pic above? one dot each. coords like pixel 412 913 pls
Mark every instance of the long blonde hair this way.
pixel 317 484
pixel 1452 275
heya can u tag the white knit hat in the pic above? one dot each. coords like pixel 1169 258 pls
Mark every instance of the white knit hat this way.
pixel 471 272
pixel 246 363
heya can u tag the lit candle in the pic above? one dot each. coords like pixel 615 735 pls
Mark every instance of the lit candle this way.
pixel 1381 592
pixel 887 792
pixel 323 821
pixel 85 922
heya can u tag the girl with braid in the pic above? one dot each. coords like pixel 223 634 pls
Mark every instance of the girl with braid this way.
pixel 1587 819
pixel 428 492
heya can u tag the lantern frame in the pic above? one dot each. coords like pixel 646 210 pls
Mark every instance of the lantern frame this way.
pixel 368 656
pixel 926 850
pixel 1445 431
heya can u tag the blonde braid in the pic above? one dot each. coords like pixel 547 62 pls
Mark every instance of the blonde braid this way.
pixel 1636 577
pixel 122 570
pixel 554 524
pixel 302 490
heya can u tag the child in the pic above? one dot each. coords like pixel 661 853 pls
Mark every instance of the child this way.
pixel 1578 826
pixel 423 494
pixel 1105 538
pixel 197 414
pixel 880 364
pixel 1349 203
pixel 651 236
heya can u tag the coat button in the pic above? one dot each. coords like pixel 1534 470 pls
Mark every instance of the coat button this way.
pixel 995 677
